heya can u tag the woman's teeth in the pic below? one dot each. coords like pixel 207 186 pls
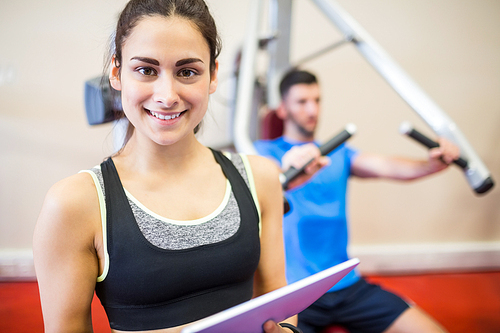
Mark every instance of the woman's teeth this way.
pixel 161 116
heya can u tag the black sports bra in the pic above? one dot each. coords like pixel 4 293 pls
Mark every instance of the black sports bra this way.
pixel 148 287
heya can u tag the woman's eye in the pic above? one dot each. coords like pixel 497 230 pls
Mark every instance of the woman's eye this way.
pixel 146 71
pixel 186 73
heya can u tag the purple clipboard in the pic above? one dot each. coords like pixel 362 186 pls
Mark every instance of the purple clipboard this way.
pixel 248 317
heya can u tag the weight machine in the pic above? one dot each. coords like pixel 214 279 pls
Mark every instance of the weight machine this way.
pixel 278 45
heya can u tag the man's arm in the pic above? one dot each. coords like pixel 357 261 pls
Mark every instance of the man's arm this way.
pixel 368 165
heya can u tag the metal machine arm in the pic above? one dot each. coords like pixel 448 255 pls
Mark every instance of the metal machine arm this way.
pixel 476 172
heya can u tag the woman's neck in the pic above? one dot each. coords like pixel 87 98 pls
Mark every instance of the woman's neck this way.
pixel 143 156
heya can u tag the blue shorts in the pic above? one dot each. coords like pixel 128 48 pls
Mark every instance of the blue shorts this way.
pixel 362 307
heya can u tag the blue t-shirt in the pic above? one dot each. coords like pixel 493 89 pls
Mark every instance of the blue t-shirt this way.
pixel 315 229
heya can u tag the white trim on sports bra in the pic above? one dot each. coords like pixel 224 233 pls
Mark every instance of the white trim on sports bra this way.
pixel 201 220
pixel 251 182
pixel 102 207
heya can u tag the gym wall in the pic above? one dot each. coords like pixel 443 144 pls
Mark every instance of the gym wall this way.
pixel 450 48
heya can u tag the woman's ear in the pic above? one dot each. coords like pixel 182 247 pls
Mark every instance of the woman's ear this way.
pixel 213 78
pixel 114 75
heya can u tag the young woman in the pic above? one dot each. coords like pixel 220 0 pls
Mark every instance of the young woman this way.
pixel 166 231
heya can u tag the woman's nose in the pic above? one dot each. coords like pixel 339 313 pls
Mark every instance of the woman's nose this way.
pixel 166 93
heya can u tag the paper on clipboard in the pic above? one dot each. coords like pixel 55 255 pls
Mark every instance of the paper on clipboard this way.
pixel 248 317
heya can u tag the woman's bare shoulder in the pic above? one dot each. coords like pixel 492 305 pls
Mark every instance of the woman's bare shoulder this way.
pixel 264 168
pixel 71 202
pixel 76 190
pixel 266 176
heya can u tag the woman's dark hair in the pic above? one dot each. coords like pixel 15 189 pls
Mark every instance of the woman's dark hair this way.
pixel 196 11
pixel 294 77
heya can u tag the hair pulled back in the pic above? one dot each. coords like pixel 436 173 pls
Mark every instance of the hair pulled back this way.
pixel 195 11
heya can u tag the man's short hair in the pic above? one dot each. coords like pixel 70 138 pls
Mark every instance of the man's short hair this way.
pixel 294 77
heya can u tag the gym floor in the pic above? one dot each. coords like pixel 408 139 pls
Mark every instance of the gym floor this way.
pixel 461 302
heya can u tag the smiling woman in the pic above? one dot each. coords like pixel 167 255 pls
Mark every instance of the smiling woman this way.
pixel 166 231
pixel 166 74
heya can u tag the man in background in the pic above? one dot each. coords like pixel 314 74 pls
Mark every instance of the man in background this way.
pixel 315 229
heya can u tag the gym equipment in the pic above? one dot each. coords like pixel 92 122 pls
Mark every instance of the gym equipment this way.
pixel 278 45
pixel 337 140
pixel 101 101
pixel 407 129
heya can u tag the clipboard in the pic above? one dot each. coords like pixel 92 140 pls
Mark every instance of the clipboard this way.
pixel 279 304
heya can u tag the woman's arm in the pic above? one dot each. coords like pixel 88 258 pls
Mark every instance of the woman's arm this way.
pixel 66 236
pixel 270 273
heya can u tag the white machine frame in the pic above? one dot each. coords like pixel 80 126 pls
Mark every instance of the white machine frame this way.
pixel 278 46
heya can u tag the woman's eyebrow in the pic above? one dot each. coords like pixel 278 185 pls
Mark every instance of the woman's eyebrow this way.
pixel 147 60
pixel 187 61
pixel 157 63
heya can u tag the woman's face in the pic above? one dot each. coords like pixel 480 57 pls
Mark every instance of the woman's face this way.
pixel 164 78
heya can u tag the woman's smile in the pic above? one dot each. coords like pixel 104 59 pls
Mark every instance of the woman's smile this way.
pixel 165 116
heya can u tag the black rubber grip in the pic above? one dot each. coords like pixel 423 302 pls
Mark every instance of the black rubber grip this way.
pixel 326 148
pixel 416 135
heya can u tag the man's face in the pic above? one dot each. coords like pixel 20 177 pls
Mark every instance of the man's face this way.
pixel 302 107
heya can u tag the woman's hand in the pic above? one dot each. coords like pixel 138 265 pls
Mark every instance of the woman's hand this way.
pixel 271 327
